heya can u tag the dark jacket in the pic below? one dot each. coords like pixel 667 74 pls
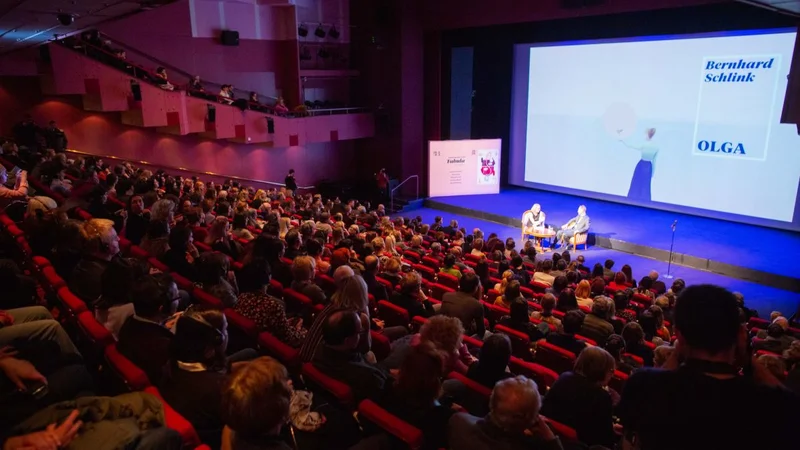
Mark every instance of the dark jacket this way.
pixel 197 396
pixel 466 308
pixel 374 287
pixel 467 432
pixel 366 380
pixel 176 261
pixel 596 328
pixel 85 279
pixel 411 304
pixel 146 344
pixel 576 402
pixel 567 342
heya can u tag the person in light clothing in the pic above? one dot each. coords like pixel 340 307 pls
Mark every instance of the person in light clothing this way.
pixel 532 220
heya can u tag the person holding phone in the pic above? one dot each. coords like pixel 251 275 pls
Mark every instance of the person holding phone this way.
pixel 20 191
pixel 712 395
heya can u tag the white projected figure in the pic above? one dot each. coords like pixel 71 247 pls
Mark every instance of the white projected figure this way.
pixel 643 174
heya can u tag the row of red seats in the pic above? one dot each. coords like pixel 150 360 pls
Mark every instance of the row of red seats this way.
pixel 75 315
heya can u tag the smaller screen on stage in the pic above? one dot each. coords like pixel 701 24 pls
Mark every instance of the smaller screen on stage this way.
pixel 686 123
pixel 464 167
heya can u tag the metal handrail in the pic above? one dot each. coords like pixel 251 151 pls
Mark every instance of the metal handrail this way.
pixel 391 192
pixel 243 93
pixel 184 169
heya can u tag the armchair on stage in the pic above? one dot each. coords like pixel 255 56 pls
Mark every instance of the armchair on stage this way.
pixel 581 238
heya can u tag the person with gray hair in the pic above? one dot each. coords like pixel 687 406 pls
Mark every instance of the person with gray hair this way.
pixel 580 400
pixel 513 421
pixel 596 325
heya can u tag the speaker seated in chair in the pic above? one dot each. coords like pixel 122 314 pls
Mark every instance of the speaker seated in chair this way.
pixel 532 221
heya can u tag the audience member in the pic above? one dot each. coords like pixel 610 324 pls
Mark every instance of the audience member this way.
pixel 101 245
pixel 596 325
pixel 513 422
pixel 548 303
pixel 579 399
pixel 411 297
pixel 714 399
pixel 465 306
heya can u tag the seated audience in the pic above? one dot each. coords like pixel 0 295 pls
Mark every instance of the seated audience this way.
pixel 511 293
pixel 513 421
pixel 215 277
pixel 449 266
pixel 544 275
pixel 219 239
pixel 268 312
pixel 414 395
pixel 137 221
pixel 500 287
pixel 256 405
pixel 572 323
pixel 583 294
pixel 198 370
pixel 411 297
pixel 303 272
pixel 714 399
pixel 372 266
pixel 464 305
pixel 615 346
pixel 548 303
pixel 156 241
pixel 101 245
pixel 115 303
pixel 182 253
pixel 579 399
pixel 596 325
pixel 18 193
pixel 338 355
pixel 143 338
pixel 567 301
pixel 492 365
pixel 634 338
pixel 520 321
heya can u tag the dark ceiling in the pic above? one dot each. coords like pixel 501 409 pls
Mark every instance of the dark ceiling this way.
pixel 24 23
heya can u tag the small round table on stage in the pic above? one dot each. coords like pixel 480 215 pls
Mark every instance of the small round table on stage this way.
pixel 538 235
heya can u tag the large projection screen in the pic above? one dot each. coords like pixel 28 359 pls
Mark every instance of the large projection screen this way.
pixel 464 167
pixel 689 123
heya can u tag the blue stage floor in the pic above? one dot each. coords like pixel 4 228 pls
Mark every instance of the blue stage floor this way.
pixel 765 299
pixel 752 247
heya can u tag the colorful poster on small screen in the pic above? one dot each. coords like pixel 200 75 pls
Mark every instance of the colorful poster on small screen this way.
pixel 487 170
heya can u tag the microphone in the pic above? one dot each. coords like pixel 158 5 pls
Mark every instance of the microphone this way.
pixel 674 224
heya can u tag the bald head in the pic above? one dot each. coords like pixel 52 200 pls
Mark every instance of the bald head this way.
pixel 371 263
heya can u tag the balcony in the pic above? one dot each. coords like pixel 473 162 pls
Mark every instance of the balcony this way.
pixel 108 84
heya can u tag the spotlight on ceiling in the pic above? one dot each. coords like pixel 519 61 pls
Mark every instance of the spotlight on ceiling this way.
pixel 333 33
pixel 319 32
pixel 302 30
pixel 65 19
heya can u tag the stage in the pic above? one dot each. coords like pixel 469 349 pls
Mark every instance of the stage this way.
pixel 761 255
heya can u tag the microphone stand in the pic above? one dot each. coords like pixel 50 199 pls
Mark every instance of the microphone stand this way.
pixel 671 246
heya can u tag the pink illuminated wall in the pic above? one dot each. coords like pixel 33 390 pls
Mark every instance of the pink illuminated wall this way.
pixel 103 134
pixel 185 34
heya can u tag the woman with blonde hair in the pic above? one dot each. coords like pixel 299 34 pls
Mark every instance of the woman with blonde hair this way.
pixel 219 239
pixel 351 294
pixel 284 224
pixel 390 249
pixel 583 293
pixel 501 286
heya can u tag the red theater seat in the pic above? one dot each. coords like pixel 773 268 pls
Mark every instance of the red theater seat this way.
pixel 282 352
pixel 71 301
pixel 426 272
pixel 618 381
pixel 207 299
pixel 543 376
pixel 494 312
pixel 182 282
pixel 438 291
pixel 564 432
pixel 392 314
pixel 40 262
pixel 520 342
pixel 555 358
pixel 326 283
pixel 370 411
pixel 338 389
pixel 297 300
pixel 483 391
pixel 247 326
pixel 158 265
pixel 53 280
pixel 176 421
pixel 133 377
pixel 139 253
pixel 97 334
pixel 381 346
pixel 448 280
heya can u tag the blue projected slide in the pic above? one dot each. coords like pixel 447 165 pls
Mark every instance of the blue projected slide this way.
pixel 688 121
